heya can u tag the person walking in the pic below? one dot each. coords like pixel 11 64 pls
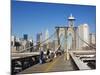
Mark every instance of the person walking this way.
pixel 48 53
pixel 41 57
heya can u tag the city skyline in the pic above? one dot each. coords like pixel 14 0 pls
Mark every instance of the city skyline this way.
pixel 62 36
pixel 34 17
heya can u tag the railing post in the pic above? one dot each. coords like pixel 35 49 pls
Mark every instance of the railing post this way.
pixel 67 55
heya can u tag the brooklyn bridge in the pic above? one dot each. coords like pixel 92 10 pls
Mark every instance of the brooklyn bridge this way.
pixel 68 54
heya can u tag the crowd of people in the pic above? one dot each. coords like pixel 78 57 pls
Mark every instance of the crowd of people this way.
pixel 46 57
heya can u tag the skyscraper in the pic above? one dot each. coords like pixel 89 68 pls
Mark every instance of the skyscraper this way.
pixel 38 37
pixel 83 35
pixel 92 38
pixel 39 40
pixel 25 36
pixel 46 37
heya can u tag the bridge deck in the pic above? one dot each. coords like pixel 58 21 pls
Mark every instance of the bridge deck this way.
pixel 58 64
pixel 27 54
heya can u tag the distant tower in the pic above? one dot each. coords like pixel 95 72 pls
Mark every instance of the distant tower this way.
pixel 39 40
pixel 71 20
pixel 92 38
pixel 25 37
pixel 83 33
pixel 46 37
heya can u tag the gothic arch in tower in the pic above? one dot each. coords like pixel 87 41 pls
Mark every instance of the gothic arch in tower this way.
pixel 70 30
pixel 70 38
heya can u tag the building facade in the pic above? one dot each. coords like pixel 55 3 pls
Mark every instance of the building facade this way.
pixel 38 41
pixel 83 36
pixel 25 36
pixel 92 38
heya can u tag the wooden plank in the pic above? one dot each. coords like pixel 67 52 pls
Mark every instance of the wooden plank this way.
pixel 81 65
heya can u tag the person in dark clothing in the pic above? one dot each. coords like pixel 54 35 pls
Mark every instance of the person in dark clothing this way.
pixel 48 53
pixel 41 56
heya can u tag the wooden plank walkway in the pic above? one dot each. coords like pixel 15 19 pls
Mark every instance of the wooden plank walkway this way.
pixel 58 64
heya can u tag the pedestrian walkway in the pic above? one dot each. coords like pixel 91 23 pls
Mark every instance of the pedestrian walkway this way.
pixel 58 64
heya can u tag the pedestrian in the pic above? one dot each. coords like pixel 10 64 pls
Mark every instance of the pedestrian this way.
pixel 41 57
pixel 48 53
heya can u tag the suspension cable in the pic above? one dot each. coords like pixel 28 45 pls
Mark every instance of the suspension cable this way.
pixel 86 42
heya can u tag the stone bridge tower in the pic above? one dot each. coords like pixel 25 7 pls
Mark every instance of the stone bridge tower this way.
pixel 67 35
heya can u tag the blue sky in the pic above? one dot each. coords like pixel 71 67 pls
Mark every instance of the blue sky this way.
pixel 34 17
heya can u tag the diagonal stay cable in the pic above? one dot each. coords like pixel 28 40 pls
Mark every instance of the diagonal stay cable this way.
pixel 86 42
